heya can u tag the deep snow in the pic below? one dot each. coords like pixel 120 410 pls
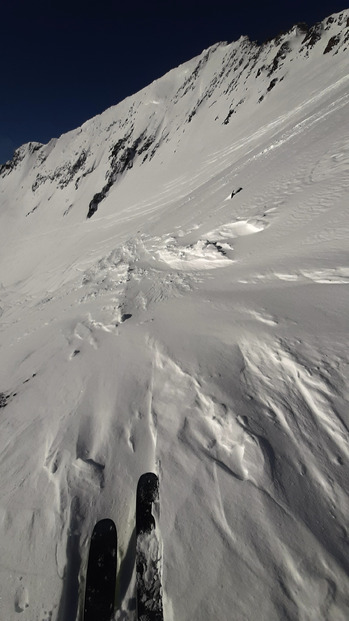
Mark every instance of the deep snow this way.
pixel 182 330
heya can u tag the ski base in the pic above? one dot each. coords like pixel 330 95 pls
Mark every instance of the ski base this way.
pixel 101 573
pixel 148 553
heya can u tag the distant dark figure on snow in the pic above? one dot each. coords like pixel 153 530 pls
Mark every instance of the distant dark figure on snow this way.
pixel 235 192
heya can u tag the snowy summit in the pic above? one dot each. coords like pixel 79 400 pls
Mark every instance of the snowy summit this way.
pixel 174 280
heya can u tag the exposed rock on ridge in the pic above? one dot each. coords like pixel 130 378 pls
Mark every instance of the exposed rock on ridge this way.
pixel 223 81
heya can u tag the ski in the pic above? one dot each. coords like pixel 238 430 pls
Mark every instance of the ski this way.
pixel 148 551
pixel 101 573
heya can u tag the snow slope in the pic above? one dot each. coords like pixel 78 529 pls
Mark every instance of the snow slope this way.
pixel 174 298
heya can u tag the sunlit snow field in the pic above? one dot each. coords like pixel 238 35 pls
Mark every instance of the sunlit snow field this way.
pixel 188 332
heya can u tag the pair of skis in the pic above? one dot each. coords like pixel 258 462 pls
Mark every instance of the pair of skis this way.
pixel 100 588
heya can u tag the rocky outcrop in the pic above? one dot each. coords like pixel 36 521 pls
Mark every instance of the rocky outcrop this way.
pixel 62 175
pixel 122 157
pixel 18 157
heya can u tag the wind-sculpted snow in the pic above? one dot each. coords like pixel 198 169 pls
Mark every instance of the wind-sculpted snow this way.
pixel 196 326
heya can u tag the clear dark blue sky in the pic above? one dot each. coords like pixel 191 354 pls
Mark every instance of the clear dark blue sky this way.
pixel 63 61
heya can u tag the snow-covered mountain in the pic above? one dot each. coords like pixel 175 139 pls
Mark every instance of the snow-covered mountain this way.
pixel 174 297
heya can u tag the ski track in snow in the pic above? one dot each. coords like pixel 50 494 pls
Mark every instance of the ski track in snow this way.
pixel 196 326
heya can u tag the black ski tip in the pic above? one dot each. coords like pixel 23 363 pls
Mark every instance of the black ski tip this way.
pixel 103 528
pixel 149 481
pixel 101 573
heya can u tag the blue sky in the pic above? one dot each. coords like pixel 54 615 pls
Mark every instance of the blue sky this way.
pixel 64 61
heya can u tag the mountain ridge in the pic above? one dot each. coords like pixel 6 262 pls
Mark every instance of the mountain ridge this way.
pixel 241 70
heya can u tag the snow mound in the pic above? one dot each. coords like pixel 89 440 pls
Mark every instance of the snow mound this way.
pixel 236 229
pixel 203 255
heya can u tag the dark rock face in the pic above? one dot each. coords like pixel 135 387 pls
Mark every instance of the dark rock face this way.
pixel 63 174
pixel 9 166
pixel 302 27
pixel 18 156
pixel 272 84
pixel 313 36
pixel 284 49
pixel 78 164
pixel 333 42
pixel 6 398
pixel 190 82
pixel 98 197
pixel 122 157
